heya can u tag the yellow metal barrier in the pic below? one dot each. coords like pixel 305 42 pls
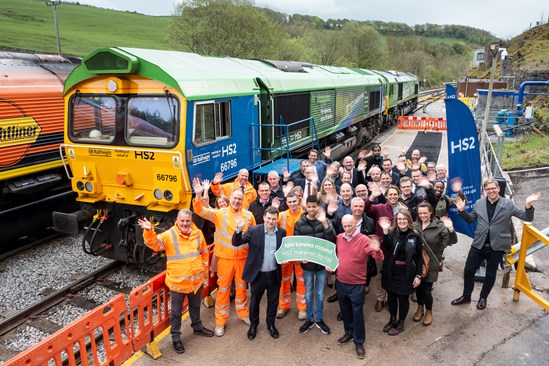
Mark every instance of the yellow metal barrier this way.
pixel 529 236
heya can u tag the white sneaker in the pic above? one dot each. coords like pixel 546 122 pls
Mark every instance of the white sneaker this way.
pixel 301 315
pixel 219 330
pixel 246 321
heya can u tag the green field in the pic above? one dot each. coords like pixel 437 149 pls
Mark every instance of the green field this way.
pixel 28 25
pixel 519 155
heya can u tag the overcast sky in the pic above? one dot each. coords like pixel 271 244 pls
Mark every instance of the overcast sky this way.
pixel 503 18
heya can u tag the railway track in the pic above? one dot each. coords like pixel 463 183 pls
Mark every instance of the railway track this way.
pixel 56 297
pixel 427 97
pixel 29 242
pixel 44 289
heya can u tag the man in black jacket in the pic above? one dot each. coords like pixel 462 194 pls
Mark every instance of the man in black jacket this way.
pixel 263 200
pixel 314 223
pixel 375 158
pixel 261 270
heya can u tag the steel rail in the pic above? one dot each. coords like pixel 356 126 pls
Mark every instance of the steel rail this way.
pixel 56 297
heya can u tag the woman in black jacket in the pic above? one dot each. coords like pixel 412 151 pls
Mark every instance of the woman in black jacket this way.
pixel 401 271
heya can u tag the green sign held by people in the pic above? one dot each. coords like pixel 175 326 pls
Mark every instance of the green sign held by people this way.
pixel 298 248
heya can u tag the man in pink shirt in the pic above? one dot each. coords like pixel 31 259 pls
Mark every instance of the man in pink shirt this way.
pixel 353 249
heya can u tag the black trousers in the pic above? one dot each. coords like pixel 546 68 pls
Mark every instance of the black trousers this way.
pixel 351 304
pixel 194 311
pixel 424 294
pixel 265 281
pixel 398 303
pixel 474 259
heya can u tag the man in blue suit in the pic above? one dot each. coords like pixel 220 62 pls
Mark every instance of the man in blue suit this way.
pixel 319 165
pixel 261 270
pixel 492 237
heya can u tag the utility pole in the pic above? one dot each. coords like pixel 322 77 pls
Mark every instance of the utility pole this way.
pixel 54 3
pixel 495 51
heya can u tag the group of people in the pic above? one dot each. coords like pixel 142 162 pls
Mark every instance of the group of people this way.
pixel 380 216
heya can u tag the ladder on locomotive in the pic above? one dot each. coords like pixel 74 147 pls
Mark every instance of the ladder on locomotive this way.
pixel 276 156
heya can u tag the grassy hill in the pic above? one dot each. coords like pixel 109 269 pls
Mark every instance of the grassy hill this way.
pixel 28 25
pixel 530 50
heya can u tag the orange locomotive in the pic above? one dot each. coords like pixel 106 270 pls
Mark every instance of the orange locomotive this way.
pixel 32 179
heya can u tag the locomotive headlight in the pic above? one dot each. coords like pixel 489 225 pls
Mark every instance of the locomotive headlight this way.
pixel 168 195
pixel 158 194
pixel 112 86
pixel 89 187
pixel 80 185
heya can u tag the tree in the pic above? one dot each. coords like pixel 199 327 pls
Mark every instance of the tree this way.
pixel 328 47
pixel 225 28
pixel 365 46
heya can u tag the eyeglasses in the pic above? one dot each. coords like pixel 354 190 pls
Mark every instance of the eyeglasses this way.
pixel 361 191
pixel 491 188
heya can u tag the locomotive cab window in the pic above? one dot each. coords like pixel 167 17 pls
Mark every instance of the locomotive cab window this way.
pixel 92 119
pixel 152 121
pixel 212 121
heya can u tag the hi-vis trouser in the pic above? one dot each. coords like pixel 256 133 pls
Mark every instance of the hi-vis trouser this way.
pixel 227 269
pixel 284 301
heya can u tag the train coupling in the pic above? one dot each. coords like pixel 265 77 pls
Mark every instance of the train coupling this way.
pixel 70 223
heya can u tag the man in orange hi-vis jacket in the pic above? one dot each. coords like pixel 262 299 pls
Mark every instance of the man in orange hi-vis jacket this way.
pixel 241 183
pixel 231 259
pixel 186 270
pixel 287 220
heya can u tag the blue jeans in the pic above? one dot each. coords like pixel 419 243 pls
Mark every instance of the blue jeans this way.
pixel 315 281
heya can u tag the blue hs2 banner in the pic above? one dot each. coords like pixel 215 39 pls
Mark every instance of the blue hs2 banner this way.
pixel 450 91
pixel 463 159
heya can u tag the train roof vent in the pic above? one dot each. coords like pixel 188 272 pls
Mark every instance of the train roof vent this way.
pixel 111 61
pixel 286 66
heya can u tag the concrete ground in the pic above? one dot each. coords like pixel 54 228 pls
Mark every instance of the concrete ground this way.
pixel 506 332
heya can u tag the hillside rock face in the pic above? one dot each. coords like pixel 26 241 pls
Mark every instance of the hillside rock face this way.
pixel 531 75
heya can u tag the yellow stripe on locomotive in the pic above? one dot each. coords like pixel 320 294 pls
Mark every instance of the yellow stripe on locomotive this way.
pixel 144 174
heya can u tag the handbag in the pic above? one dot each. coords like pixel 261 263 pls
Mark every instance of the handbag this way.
pixel 371 268
pixel 426 262
pixel 440 263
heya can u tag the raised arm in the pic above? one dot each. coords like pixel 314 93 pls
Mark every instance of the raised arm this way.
pixel 468 217
pixel 239 238
pixel 216 184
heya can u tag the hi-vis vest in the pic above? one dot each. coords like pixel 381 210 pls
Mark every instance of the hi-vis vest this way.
pixel 287 220
pixel 187 257
pixel 227 189
pixel 225 226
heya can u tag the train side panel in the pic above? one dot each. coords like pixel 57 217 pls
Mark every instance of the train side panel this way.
pixel 31 116
pixel 32 179
pixel 217 140
pixel 142 124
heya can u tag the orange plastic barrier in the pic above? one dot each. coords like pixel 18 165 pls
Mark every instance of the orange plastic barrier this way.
pixel 421 123
pixel 97 338
pixel 149 311
pixel 99 332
